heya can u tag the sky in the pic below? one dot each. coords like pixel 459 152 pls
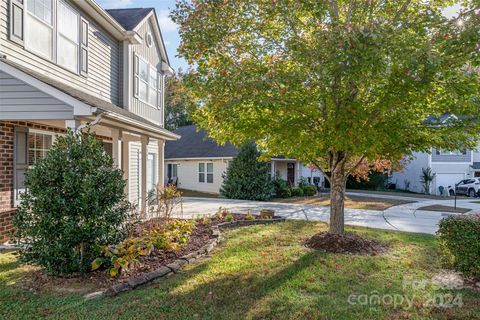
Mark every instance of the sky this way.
pixel 170 29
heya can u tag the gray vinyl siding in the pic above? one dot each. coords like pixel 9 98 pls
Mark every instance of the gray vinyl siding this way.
pixel 451 158
pixel 152 56
pixel 103 80
pixel 19 101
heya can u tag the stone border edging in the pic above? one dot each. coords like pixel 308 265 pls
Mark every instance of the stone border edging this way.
pixel 175 266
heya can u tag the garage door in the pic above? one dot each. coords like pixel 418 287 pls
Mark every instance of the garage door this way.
pixel 448 179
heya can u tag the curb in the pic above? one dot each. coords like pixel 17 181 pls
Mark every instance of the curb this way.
pixel 175 266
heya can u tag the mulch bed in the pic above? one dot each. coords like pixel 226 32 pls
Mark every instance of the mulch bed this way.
pixel 39 280
pixel 344 243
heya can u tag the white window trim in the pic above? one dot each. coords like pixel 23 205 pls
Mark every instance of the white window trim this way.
pixel 59 34
pixel 55 33
pixel 50 26
pixel 37 131
pixel 137 75
pixel 205 173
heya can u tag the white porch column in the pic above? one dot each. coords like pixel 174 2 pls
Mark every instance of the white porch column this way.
pixel 144 141
pixel 161 163
pixel 297 176
pixel 272 168
pixel 72 124
pixel 117 147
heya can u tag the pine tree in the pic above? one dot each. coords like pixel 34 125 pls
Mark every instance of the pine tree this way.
pixel 247 178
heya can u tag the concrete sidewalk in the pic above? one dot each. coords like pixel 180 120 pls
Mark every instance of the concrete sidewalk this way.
pixel 403 217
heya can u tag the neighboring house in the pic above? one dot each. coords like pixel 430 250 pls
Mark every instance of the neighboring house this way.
pixel 449 168
pixel 67 63
pixel 196 162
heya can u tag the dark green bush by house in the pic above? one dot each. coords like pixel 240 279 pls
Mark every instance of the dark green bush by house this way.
pixel 247 177
pixel 73 203
pixel 376 181
pixel 459 238
pixel 309 190
pixel 281 187
pixel 297 192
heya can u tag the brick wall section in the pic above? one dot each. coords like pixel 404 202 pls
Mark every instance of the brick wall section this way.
pixel 6 179
pixel 6 170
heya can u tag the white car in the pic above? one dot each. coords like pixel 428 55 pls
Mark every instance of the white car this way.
pixel 468 187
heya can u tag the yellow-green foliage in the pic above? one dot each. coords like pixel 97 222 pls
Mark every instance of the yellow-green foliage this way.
pixel 172 236
pixel 249 216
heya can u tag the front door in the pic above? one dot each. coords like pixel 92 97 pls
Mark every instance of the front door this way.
pixel 291 173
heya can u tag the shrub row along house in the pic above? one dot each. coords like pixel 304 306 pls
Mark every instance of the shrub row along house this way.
pixel 67 63
pixel 196 162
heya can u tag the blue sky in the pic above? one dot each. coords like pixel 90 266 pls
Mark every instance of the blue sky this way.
pixel 168 28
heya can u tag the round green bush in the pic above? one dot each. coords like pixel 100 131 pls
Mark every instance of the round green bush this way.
pixel 297 192
pixel 75 201
pixel 459 238
pixel 309 190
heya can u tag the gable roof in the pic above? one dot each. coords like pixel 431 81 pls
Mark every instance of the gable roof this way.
pixel 129 18
pixel 193 144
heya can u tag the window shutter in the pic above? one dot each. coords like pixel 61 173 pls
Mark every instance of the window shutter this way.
pixel 16 21
pixel 160 90
pixel 83 47
pixel 20 162
pixel 135 75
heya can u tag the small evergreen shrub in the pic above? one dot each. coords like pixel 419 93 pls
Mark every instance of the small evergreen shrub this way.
pixel 309 190
pixel 297 192
pixel 74 203
pixel 459 238
pixel 281 187
pixel 247 178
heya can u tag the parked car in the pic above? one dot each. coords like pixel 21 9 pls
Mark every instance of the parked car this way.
pixel 468 187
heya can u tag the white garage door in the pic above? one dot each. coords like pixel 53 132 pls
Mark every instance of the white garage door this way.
pixel 448 179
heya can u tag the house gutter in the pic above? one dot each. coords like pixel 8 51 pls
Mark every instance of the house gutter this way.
pixel 154 129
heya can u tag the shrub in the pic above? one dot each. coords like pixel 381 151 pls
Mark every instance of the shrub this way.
pixel 309 190
pixel 281 187
pixel 249 216
pixel 297 192
pixel 173 236
pixel 247 177
pixel 459 238
pixel 163 200
pixel 229 218
pixel 74 200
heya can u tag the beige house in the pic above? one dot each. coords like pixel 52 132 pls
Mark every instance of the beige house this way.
pixel 65 64
pixel 196 162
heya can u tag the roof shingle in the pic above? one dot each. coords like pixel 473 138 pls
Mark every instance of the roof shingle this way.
pixel 129 18
pixel 193 144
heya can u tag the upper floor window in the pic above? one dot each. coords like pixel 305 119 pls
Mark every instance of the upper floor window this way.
pixel 52 31
pixel 147 82
pixel 452 153
pixel 39 27
pixel 67 46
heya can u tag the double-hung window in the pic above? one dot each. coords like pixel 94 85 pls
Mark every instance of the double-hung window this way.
pixel 67 39
pixel 205 172
pixel 147 82
pixel 39 27
pixel 38 145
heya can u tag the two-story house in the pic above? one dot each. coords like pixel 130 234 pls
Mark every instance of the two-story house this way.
pixel 450 167
pixel 67 63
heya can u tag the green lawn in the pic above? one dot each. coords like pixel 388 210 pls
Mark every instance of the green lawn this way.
pixel 261 272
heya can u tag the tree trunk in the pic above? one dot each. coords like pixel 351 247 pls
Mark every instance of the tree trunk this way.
pixel 338 181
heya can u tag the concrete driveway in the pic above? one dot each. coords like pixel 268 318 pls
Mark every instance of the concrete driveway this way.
pixel 405 217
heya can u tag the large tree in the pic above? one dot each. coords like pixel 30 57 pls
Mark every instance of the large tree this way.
pixel 179 102
pixel 338 84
